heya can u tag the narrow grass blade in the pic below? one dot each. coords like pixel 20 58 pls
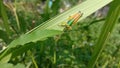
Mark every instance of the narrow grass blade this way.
pixel 108 26
pixel 4 17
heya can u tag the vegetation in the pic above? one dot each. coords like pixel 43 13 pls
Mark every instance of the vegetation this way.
pixel 31 35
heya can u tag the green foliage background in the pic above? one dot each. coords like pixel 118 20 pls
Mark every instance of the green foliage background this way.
pixel 40 46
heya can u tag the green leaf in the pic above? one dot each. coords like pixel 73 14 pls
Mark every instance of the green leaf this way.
pixel 52 27
pixel 8 65
pixel 5 59
pixel 31 37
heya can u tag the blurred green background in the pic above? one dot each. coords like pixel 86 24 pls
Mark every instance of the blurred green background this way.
pixel 72 49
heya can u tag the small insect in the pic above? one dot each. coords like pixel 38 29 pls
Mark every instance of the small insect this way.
pixel 72 20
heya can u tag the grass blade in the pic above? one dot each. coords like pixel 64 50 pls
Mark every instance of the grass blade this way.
pixel 4 17
pixel 108 26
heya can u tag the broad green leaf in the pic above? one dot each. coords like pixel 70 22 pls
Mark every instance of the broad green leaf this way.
pixel 8 65
pixel 34 36
pixel 31 37
pixel 52 27
pixel 6 59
